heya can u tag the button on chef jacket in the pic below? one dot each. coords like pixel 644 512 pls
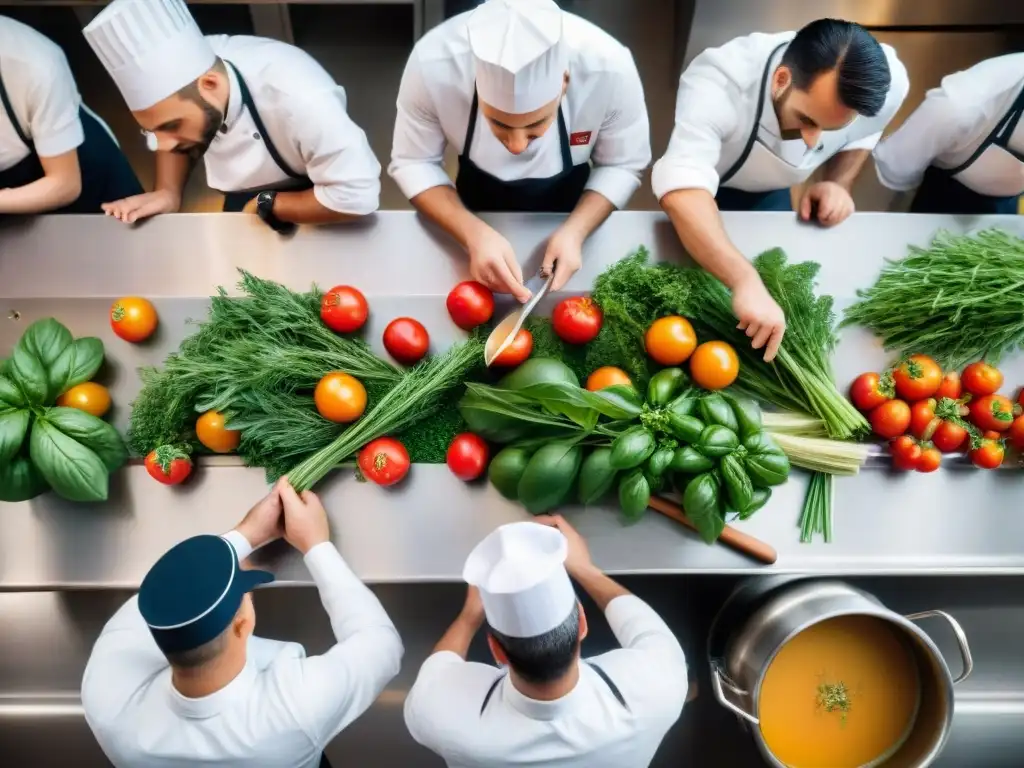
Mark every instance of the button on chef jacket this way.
pixel 717 110
pixel 280 711
pixel 587 728
pixel 604 111
pixel 970 130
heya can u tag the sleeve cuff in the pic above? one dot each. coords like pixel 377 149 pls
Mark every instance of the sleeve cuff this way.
pixel 419 177
pixel 869 143
pixel 240 544
pixel 622 609
pixel 668 176
pixel 70 137
pixel 325 564
pixel 904 185
pixel 348 199
pixel 616 184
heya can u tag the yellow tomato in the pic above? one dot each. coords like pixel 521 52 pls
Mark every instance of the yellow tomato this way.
pixel 133 318
pixel 89 397
pixel 340 398
pixel 670 340
pixel 214 435
pixel 607 376
pixel 714 365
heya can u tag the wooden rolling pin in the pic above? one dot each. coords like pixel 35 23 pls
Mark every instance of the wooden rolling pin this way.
pixel 738 540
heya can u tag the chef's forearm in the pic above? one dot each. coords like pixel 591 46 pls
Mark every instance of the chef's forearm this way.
pixel 697 221
pixel 61 185
pixel 844 168
pixel 589 213
pixel 459 635
pixel 304 208
pixel 601 588
pixel 444 207
pixel 172 171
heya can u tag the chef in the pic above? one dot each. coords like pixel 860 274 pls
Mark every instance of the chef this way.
pixel 544 705
pixel 56 156
pixel 177 679
pixel 531 98
pixel 269 122
pixel 758 116
pixel 963 148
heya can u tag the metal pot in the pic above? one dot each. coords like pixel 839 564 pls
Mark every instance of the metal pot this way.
pixel 762 615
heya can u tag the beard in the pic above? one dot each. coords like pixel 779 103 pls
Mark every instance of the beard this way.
pixel 779 102
pixel 213 118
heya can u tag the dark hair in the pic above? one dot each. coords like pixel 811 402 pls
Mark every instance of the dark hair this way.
pixel 863 70
pixel 197 657
pixel 547 657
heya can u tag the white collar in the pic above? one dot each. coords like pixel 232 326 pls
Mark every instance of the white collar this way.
pixel 215 703
pixel 768 119
pixel 234 109
pixel 543 710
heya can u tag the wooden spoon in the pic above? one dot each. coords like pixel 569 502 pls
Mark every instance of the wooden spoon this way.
pixel 731 537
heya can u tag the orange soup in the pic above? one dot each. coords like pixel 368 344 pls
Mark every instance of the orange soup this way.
pixel 841 694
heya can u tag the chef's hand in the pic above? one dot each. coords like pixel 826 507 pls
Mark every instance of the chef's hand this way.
pixel 830 202
pixel 132 209
pixel 473 608
pixel 305 521
pixel 759 315
pixel 577 560
pixel 263 524
pixel 493 263
pixel 565 255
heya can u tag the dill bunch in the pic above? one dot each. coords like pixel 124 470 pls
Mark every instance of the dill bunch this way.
pixel 614 345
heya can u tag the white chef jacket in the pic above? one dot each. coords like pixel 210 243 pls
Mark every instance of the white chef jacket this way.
pixel 279 712
pixel 588 727
pixel 715 114
pixel 604 110
pixel 952 122
pixel 43 94
pixel 304 112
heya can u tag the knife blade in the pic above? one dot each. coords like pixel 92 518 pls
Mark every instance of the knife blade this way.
pixel 505 332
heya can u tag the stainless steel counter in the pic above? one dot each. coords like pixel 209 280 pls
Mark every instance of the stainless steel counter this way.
pixel 958 521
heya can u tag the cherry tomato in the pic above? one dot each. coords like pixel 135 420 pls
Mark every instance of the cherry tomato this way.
pixel 406 340
pixel 577 320
pixel 340 398
pixel 990 454
pixel 929 460
pixel 905 452
pixel 89 397
pixel 950 386
pixel 344 309
pixel 1017 433
pixel 949 436
pixel 981 379
pixel 1020 398
pixel 607 376
pixel 714 365
pixel 890 419
pixel 516 352
pixel 168 465
pixel 993 412
pixel 470 304
pixel 384 461
pixel 467 456
pixel 917 377
pixel 869 390
pixel 922 414
pixel 214 435
pixel 670 340
pixel 133 319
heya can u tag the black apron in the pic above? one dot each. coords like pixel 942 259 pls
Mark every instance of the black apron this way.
pixel 600 673
pixel 106 173
pixel 480 191
pixel 235 202
pixel 941 193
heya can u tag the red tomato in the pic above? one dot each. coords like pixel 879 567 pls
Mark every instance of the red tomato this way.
pixel 1020 397
pixel 168 465
pixel 990 453
pixel 344 309
pixel 922 414
pixel 470 304
pixel 1017 433
pixel 467 456
pixel 993 412
pixel 890 419
pixel 517 351
pixel 949 436
pixel 869 390
pixel 929 460
pixel 577 320
pixel 981 379
pixel 917 377
pixel 950 386
pixel 384 461
pixel 406 340
pixel 905 452
pixel 133 319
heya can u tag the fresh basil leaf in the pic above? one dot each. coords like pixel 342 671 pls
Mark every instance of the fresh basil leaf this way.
pixel 29 374
pixel 10 393
pixel 95 434
pixel 78 363
pixel 20 480
pixel 35 355
pixel 565 400
pixel 72 470
pixel 46 339
pixel 13 426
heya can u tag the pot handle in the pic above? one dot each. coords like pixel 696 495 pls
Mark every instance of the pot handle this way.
pixel 720 680
pixel 958 633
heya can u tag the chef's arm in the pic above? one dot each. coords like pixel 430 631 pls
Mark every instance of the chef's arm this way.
pixel 462 631
pixel 844 167
pixel 589 213
pixel 444 207
pixel 304 208
pixel 601 588
pixel 60 185
pixel 172 171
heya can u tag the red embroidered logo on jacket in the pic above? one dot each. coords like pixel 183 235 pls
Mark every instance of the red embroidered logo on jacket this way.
pixel 580 139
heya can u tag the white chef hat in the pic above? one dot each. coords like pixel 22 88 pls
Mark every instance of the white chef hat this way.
pixel 520 572
pixel 152 48
pixel 520 56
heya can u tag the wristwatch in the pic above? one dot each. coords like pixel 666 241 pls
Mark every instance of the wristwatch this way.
pixel 265 210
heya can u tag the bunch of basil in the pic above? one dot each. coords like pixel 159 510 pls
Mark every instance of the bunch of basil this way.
pixel 44 447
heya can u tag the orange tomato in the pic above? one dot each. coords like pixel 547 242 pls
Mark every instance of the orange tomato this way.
pixel 714 365
pixel 89 397
pixel 212 433
pixel 133 319
pixel 607 376
pixel 670 340
pixel 340 398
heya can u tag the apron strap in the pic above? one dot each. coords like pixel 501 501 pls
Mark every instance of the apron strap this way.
pixel 1000 135
pixel 5 100
pixel 490 692
pixel 611 685
pixel 471 125
pixel 757 120
pixel 564 139
pixel 267 141
pixel 563 133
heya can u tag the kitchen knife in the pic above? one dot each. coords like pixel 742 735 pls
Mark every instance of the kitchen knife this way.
pixel 505 332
